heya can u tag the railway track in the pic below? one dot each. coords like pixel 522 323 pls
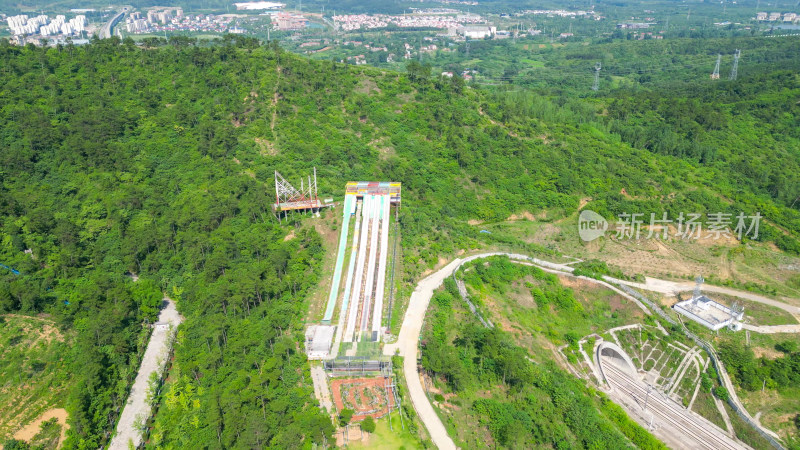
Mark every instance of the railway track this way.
pixel 701 435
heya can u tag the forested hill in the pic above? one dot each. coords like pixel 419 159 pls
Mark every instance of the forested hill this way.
pixel 158 161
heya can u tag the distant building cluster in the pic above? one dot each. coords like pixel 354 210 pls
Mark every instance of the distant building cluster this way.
pixel 560 13
pixel 173 19
pixel 251 6
pixel 635 25
pixel 457 2
pixel 369 21
pixel 288 21
pixel 23 25
pixel 776 17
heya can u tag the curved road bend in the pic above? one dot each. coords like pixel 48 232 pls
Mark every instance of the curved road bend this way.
pixel 408 339
pixel 407 346
pixel 105 32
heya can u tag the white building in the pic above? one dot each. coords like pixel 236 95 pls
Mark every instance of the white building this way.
pixel 22 25
pixel 477 31
pixel 709 313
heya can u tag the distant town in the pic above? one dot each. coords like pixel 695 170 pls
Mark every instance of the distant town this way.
pixel 417 32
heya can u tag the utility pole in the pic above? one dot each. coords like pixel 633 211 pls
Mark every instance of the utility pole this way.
pixel 735 70
pixel 649 388
pixel 596 85
pixel 715 74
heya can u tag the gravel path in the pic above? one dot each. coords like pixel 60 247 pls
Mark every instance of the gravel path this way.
pixel 136 409
pixel 321 390
pixel 674 287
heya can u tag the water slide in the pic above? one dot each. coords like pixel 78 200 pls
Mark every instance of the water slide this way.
pixel 361 260
pixel 373 254
pixel 381 282
pixel 349 206
pixel 348 285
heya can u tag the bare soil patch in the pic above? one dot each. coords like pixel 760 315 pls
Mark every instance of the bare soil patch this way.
pixel 365 396
pixel 32 429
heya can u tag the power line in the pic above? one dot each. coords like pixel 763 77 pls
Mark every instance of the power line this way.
pixel 715 74
pixel 735 70
pixel 596 85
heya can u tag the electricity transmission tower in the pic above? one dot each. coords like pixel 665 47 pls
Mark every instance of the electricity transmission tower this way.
pixel 596 85
pixel 715 75
pixel 735 70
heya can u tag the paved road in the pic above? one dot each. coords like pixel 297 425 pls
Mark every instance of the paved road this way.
pixel 320 380
pixel 105 32
pixel 154 360
pixel 407 346
pixel 770 329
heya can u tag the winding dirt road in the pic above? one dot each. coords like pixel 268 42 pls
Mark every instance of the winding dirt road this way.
pixel 407 346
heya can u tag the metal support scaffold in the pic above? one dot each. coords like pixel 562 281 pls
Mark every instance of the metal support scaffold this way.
pixel 288 198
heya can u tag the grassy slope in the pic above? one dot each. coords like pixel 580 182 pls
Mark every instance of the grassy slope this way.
pixel 721 261
pixel 33 375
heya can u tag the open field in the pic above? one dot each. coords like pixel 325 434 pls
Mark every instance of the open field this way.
pixel 517 312
pixel 398 436
pixel 746 433
pixel 33 374
pixel 705 406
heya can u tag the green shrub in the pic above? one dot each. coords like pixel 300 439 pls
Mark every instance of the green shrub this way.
pixel 368 424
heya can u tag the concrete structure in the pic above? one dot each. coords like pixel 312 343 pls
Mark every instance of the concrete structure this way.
pixel 44 26
pixel 634 25
pixel 318 341
pixel 709 313
pixel 610 352
pixel 677 426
